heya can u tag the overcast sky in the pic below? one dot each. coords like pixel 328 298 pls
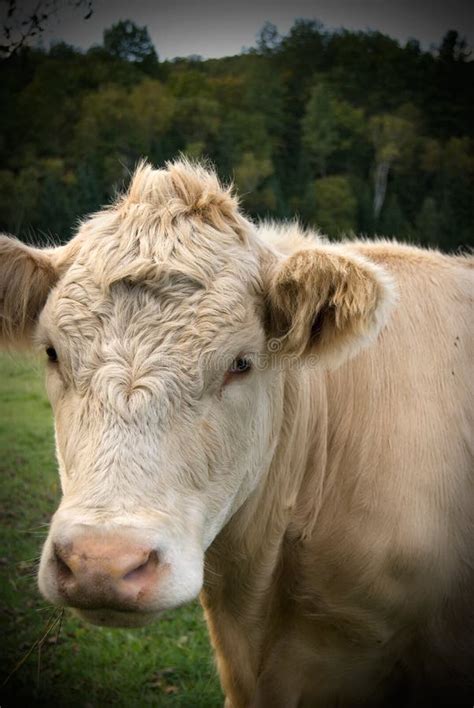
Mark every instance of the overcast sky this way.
pixel 214 28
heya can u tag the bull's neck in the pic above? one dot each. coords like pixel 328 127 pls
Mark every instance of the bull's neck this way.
pixel 243 586
pixel 283 505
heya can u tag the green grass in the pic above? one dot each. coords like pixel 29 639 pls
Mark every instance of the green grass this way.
pixel 166 664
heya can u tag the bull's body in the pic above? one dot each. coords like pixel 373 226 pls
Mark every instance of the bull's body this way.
pixel 349 578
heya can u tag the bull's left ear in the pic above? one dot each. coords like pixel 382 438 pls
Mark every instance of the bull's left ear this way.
pixel 329 302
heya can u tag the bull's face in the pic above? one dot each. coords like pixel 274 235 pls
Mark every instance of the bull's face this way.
pixel 164 424
pixel 156 322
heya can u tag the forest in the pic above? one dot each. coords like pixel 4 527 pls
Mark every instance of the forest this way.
pixel 350 132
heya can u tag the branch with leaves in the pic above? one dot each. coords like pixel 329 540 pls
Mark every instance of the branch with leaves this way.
pixel 22 23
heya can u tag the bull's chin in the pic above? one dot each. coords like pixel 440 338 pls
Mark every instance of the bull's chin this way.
pixel 117 618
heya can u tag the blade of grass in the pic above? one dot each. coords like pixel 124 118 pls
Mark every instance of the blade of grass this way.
pixel 38 643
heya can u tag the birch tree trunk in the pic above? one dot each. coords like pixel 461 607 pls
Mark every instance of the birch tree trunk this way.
pixel 380 186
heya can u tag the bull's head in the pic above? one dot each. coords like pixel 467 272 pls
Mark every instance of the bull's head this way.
pixel 172 328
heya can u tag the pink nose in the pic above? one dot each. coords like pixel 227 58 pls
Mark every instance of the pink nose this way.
pixel 97 571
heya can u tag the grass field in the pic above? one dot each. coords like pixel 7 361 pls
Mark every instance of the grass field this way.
pixel 166 664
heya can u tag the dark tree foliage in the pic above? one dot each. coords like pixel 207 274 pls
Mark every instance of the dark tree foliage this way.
pixel 126 41
pixel 349 131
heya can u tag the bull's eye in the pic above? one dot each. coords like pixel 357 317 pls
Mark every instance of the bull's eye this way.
pixel 52 354
pixel 240 365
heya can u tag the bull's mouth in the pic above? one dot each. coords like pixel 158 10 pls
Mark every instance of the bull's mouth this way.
pixel 106 617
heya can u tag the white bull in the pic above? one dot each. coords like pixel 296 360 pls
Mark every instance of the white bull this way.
pixel 276 422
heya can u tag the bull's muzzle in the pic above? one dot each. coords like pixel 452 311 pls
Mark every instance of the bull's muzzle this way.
pixel 104 570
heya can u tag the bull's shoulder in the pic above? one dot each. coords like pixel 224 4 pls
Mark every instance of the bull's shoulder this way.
pixel 438 280
pixel 290 237
pixel 405 257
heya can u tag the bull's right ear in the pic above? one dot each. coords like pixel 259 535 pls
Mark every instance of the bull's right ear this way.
pixel 27 275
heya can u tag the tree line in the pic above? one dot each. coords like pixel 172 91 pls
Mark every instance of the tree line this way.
pixel 349 131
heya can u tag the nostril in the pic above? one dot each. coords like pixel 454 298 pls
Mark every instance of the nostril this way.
pixel 142 571
pixel 64 572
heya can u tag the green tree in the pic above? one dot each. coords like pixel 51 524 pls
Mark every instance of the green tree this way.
pixel 243 133
pixel 27 191
pixel 428 223
pixel 55 214
pixel 128 42
pixel 456 181
pixel 251 174
pixel 430 159
pixel 329 127
pixel 332 206
pixel 8 205
pixel 118 126
pixel 196 121
pixel 392 221
pixel 453 48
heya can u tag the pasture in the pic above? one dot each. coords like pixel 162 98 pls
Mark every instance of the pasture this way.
pixel 166 664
